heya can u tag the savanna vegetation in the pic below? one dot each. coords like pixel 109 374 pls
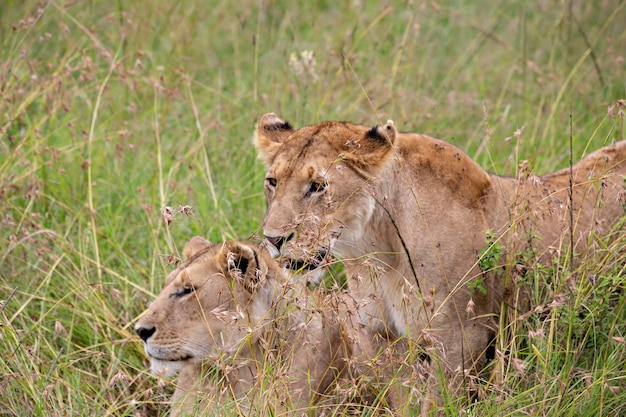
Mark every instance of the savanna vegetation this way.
pixel 125 129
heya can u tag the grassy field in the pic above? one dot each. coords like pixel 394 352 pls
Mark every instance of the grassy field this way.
pixel 114 113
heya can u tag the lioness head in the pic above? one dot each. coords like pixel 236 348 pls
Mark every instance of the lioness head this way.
pixel 209 304
pixel 318 185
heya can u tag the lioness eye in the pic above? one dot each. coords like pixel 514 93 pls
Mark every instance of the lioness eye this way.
pixel 317 187
pixel 271 182
pixel 184 291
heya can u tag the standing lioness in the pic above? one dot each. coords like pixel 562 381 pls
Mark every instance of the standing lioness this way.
pixel 410 216
pixel 231 306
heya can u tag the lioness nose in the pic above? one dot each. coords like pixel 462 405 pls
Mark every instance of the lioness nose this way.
pixel 145 333
pixel 278 241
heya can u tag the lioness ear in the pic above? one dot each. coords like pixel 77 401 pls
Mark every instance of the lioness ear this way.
pixel 195 245
pixel 271 132
pixel 241 262
pixel 374 147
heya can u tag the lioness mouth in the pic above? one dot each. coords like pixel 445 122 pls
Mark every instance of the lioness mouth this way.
pixel 308 265
pixel 183 358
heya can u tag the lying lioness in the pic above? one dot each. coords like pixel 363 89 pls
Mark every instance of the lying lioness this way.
pixel 231 305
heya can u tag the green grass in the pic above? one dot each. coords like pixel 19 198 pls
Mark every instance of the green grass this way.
pixel 111 111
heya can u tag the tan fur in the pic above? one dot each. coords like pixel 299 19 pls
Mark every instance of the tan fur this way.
pixel 408 214
pixel 231 306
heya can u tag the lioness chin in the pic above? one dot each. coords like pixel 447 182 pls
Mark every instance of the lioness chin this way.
pixel 411 217
pixel 233 307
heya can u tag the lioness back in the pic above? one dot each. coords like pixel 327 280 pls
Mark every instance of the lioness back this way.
pixel 543 207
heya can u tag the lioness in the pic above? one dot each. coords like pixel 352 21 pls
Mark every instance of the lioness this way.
pixel 232 305
pixel 410 216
